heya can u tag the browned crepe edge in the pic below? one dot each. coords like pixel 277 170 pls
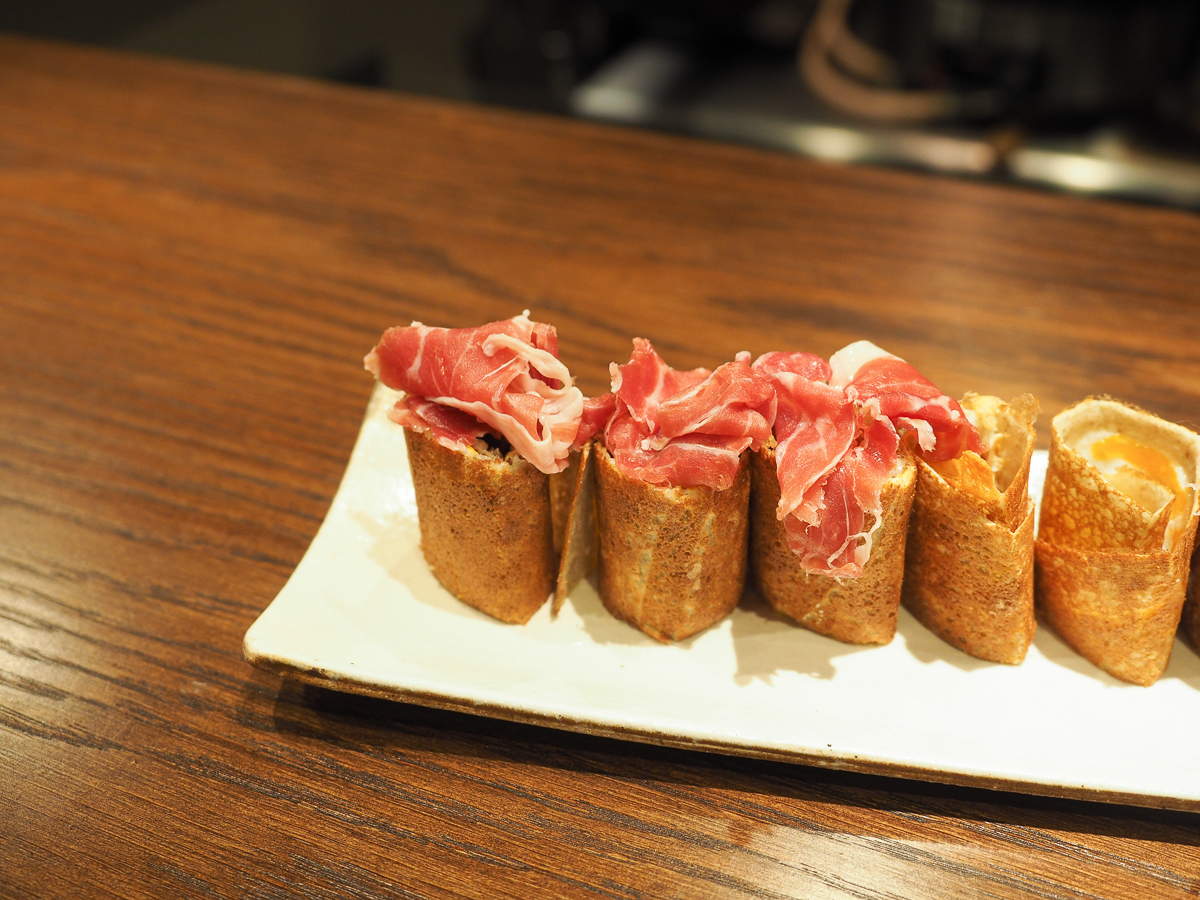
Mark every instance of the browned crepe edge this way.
pixel 562 498
pixel 1117 606
pixel 485 526
pixel 672 560
pixel 1080 509
pixel 1117 609
pixel 581 545
pixel 969 578
pixel 853 610
pixel 1191 606
pixel 1023 408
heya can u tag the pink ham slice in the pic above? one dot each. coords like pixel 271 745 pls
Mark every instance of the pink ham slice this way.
pixel 643 383
pixel 451 427
pixel 907 398
pixel 596 413
pixel 837 433
pixel 686 428
pixel 815 427
pixel 505 374
pixel 840 542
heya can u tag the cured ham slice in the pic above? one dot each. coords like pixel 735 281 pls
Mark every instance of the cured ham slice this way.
pixel 643 383
pixel 505 374
pixel 906 397
pixel 686 428
pixel 839 543
pixel 837 432
pixel 596 413
pixel 450 427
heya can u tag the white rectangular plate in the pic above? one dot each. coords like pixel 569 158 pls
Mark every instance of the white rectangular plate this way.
pixel 363 613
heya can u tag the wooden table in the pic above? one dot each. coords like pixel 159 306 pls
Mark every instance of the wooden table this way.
pixel 193 262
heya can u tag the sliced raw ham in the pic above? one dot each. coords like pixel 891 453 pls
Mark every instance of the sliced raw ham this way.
pixel 505 374
pixel 837 438
pixel 596 413
pixel 806 365
pixel 686 429
pixel 731 402
pixel 840 544
pixel 815 427
pixel 452 427
pixel 907 398
pixel 645 381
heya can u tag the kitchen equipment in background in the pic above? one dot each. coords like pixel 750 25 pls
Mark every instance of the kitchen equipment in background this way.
pixel 1098 97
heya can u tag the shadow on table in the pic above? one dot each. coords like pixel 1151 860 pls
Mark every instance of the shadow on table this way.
pixel 383 731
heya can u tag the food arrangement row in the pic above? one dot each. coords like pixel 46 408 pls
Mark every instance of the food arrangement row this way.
pixel 841 488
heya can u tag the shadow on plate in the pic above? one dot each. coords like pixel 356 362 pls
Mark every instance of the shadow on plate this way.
pixel 754 625
pixel 1184 665
pixel 756 629
pixel 396 549
pixel 601 625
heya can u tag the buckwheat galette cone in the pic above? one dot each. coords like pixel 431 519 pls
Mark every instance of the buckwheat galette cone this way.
pixel 1191 607
pixel 1112 562
pixel 485 526
pixel 854 610
pixel 580 552
pixel 562 497
pixel 969 563
pixel 672 560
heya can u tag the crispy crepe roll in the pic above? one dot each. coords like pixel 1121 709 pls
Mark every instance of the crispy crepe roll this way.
pixel 837 488
pixel 1118 522
pixel 673 490
pixel 485 526
pixel 1191 608
pixel 580 551
pixel 969 566
pixel 490 414
pixel 562 495
pixel 672 559
pixel 858 610
pixel 579 547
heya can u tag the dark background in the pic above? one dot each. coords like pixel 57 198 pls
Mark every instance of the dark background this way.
pixel 1096 97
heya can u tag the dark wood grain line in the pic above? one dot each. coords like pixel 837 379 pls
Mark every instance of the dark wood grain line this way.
pixel 29 726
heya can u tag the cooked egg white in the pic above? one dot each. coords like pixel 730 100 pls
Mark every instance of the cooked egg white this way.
pixel 1149 477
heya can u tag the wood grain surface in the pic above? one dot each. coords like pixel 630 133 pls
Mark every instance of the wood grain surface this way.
pixel 193 262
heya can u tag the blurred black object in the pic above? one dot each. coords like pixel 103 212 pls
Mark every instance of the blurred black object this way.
pixel 1089 95
pixel 1054 63
pixel 1050 61
pixel 534 52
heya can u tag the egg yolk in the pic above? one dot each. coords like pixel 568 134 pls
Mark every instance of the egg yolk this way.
pixel 1155 465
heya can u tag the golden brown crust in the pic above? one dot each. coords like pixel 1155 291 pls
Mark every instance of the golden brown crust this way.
pixel 581 544
pixel 969 567
pixel 968 579
pixel 1117 609
pixel 672 560
pixel 1191 607
pixel 1008 427
pixel 1113 593
pixel 562 496
pixel 485 527
pixel 854 610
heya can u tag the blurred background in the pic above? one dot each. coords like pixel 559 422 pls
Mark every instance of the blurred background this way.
pixel 1092 96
